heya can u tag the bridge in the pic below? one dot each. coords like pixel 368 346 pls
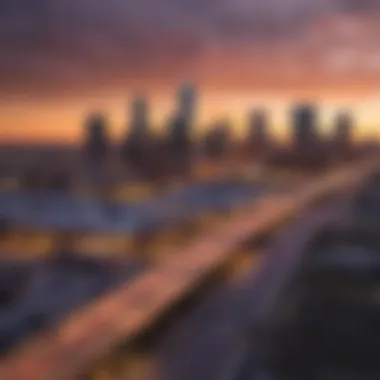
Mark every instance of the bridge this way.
pixel 124 314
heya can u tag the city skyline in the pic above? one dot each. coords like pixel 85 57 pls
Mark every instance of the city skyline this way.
pixel 61 59
pixel 68 122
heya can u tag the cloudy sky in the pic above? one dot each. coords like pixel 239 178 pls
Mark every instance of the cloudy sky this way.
pixel 58 58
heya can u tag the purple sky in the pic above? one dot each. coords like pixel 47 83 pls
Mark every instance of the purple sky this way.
pixel 45 44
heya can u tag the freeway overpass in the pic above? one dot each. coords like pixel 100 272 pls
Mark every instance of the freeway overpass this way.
pixel 120 316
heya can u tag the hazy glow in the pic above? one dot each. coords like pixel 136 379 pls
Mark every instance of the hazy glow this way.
pixel 62 121
pixel 242 53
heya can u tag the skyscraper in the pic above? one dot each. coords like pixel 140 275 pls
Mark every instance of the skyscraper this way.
pixel 96 139
pixel 258 139
pixel 218 140
pixel 305 128
pixel 342 141
pixel 310 152
pixel 187 101
pixel 139 117
pixel 343 129
pixel 135 147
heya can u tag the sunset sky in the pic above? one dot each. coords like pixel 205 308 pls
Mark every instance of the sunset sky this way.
pixel 60 59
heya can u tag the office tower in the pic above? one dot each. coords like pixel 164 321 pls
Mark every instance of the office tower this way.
pixel 187 101
pixel 178 149
pixel 218 141
pixel 343 129
pixel 342 141
pixel 96 139
pixel 258 139
pixel 182 123
pixel 309 150
pixel 139 117
pixel 179 140
pixel 305 128
pixel 179 144
pixel 135 147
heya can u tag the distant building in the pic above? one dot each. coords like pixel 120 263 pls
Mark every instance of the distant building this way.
pixel 308 150
pixel 258 139
pixel 342 140
pixel 136 146
pixel 187 102
pixel 217 142
pixel 139 117
pixel 96 140
pixel 305 128
pixel 179 144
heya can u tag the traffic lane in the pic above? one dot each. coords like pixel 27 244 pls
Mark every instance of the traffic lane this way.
pixel 194 346
pixel 202 343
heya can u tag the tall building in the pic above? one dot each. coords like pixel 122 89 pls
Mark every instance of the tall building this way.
pixel 305 128
pixel 310 152
pixel 135 147
pixel 178 139
pixel 218 140
pixel 139 117
pixel 178 147
pixel 343 129
pixel 187 102
pixel 258 138
pixel 96 139
pixel 179 144
pixel 342 141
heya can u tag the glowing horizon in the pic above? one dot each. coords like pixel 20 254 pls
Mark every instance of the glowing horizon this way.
pixel 243 54
pixel 54 122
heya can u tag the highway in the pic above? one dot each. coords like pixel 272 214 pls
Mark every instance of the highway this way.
pixel 203 344
pixel 213 341
pixel 119 316
pixel 332 330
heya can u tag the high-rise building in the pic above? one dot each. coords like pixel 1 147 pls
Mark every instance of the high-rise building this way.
pixel 178 139
pixel 139 117
pixel 310 152
pixel 342 141
pixel 181 124
pixel 218 140
pixel 179 146
pixel 135 147
pixel 258 139
pixel 96 139
pixel 305 128
pixel 187 101
pixel 343 129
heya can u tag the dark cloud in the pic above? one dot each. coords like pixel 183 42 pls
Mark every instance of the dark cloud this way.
pixel 53 43
pixel 360 5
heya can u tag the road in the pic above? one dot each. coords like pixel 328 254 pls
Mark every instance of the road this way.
pixel 334 329
pixel 94 330
pixel 203 344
